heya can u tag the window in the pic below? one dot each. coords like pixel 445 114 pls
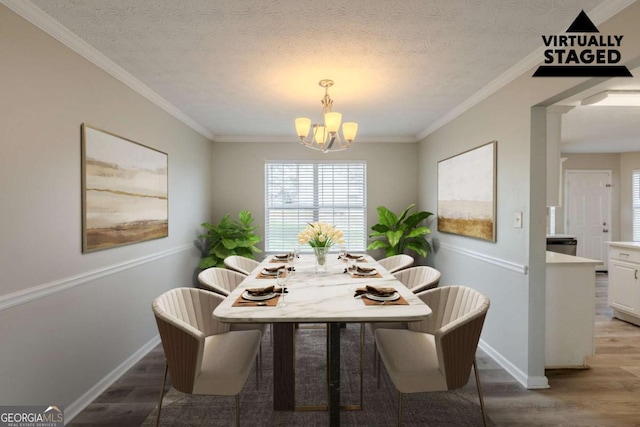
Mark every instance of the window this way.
pixel 635 187
pixel 297 193
pixel 552 220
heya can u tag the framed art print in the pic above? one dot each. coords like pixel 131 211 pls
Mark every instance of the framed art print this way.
pixel 467 193
pixel 124 191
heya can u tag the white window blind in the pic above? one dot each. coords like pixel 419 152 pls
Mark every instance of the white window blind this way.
pixel 297 193
pixel 635 186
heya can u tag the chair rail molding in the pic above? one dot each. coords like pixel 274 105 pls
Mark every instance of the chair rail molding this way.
pixel 518 268
pixel 25 296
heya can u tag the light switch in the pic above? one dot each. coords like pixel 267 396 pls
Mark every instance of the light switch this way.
pixel 517 220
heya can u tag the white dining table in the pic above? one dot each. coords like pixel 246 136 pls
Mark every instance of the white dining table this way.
pixel 317 298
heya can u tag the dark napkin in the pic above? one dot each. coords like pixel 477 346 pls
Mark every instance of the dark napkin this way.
pixel 281 256
pixel 258 292
pixel 365 269
pixel 352 257
pixel 274 269
pixel 375 290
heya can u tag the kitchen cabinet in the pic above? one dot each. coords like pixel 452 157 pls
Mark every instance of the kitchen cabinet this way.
pixel 569 310
pixel 624 285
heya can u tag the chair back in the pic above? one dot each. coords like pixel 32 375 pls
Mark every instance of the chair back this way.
pixel 241 264
pixel 458 314
pixel 396 262
pixel 185 317
pixel 220 280
pixel 418 278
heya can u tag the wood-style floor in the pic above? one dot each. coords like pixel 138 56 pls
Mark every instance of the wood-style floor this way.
pixel 608 394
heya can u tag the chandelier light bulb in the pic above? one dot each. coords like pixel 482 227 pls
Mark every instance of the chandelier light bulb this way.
pixel 349 130
pixel 332 121
pixel 303 125
pixel 320 135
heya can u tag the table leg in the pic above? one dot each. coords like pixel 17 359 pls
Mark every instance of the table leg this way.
pixel 283 367
pixel 334 374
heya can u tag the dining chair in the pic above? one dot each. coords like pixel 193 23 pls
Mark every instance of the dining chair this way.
pixel 222 281
pixel 202 355
pixel 241 264
pixel 436 354
pixel 417 279
pixel 396 262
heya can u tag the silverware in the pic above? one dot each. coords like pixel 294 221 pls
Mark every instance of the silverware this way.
pixel 253 303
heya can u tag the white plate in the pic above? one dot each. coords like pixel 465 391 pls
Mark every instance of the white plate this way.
pixel 391 297
pixel 246 295
pixel 266 272
pixel 281 257
pixel 354 257
pixel 365 273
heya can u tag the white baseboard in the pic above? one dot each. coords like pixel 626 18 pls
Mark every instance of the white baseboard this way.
pixel 71 411
pixel 527 381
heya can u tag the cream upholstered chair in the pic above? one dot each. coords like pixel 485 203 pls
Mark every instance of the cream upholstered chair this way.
pixel 241 264
pixel 417 279
pixel 223 282
pixel 396 262
pixel 220 280
pixel 436 354
pixel 202 355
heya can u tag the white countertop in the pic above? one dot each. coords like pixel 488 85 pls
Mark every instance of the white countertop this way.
pixel 631 245
pixel 323 298
pixel 561 236
pixel 558 258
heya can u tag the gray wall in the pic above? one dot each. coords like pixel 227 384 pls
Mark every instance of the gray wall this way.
pixel 510 271
pixel 70 321
pixel 238 175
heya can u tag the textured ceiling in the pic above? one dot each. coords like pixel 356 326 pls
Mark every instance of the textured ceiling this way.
pixel 590 129
pixel 248 68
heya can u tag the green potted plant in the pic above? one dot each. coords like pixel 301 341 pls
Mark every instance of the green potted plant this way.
pixel 396 234
pixel 229 237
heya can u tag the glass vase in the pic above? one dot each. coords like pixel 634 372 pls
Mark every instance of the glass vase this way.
pixel 321 259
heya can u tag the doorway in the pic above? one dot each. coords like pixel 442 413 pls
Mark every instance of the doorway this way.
pixel 588 212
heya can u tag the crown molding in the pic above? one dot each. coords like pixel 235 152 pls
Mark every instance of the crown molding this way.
pixel 292 139
pixel 598 15
pixel 46 23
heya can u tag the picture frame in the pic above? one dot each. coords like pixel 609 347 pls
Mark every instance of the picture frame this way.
pixel 124 191
pixel 467 193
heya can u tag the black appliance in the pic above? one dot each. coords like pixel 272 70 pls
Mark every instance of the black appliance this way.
pixel 563 245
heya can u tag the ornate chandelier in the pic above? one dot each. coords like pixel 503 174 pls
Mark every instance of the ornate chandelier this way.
pixel 325 136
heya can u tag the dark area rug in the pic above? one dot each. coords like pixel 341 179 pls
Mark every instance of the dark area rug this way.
pixel 456 408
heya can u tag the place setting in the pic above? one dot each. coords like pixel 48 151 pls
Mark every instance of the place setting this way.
pixel 258 297
pixel 357 271
pixel 280 258
pixel 375 295
pixel 272 272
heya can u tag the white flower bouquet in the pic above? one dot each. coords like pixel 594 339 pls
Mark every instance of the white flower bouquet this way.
pixel 320 235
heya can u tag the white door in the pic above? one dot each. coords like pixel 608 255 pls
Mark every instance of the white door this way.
pixel 588 212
